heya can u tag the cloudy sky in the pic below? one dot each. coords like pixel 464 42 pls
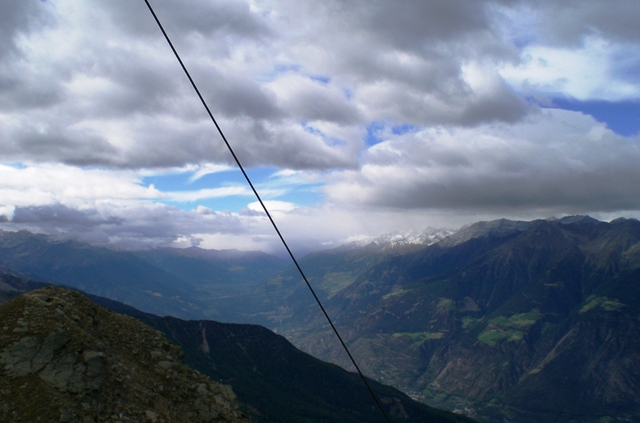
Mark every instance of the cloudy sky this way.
pixel 354 118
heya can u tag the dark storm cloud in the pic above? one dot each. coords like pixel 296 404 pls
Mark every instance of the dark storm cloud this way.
pixel 199 16
pixel 508 193
pixel 502 105
pixel 58 145
pixel 239 97
pixel 17 90
pixel 109 98
pixel 109 93
pixel 288 147
pixel 137 86
pixel 311 106
pixel 568 22
pixel 19 16
pixel 59 214
pixel 467 108
pixel 407 60
pixel 311 100
pixel 17 94
pixel 560 160
pixel 417 23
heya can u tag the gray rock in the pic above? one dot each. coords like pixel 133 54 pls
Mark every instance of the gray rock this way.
pixel 113 369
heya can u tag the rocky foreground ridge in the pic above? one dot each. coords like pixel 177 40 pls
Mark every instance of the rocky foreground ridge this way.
pixel 274 381
pixel 65 359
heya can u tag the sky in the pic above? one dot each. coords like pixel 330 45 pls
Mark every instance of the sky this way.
pixel 353 118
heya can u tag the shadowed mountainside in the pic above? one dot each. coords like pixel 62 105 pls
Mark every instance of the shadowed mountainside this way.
pixel 529 321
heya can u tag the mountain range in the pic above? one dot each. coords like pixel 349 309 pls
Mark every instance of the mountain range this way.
pixel 517 321
pixel 503 320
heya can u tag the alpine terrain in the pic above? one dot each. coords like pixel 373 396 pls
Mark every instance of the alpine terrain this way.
pixel 502 321
pixel 507 321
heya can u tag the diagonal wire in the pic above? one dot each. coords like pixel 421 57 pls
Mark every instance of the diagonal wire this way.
pixel 264 207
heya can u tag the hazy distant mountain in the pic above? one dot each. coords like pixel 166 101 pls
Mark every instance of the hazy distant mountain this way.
pixel 524 321
pixel 222 272
pixel 118 275
pixel 117 365
pixel 186 283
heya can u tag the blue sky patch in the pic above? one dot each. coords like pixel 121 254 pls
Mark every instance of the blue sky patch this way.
pixel 270 186
pixel 279 69
pixel 374 130
pixel 315 131
pixel 622 117
pixel 377 129
pixel 405 128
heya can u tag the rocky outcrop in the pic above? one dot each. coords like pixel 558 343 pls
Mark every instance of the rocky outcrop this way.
pixel 65 359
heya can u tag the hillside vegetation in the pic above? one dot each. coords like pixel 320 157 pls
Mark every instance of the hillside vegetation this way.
pixel 530 321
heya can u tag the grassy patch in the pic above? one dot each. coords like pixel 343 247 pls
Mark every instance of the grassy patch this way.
pixel 446 304
pixel 612 305
pixel 493 336
pixel 511 329
pixel 470 323
pixel 592 304
pixel 396 293
pixel 420 338
pixel 524 320
pixel 547 326
pixel 602 302
pixel 336 281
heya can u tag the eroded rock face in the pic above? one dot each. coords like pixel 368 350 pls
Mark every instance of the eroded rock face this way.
pixel 65 359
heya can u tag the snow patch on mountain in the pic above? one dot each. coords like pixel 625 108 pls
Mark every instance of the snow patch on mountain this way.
pixel 428 236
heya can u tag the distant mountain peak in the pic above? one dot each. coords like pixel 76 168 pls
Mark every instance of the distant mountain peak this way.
pixel 447 237
pixel 500 227
pixel 506 227
pixel 580 220
pixel 426 237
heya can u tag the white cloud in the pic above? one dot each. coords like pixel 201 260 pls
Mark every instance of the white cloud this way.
pixel 100 87
pixel 209 168
pixel 587 73
pixel 92 101
pixel 313 100
pixel 56 183
pixel 272 206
